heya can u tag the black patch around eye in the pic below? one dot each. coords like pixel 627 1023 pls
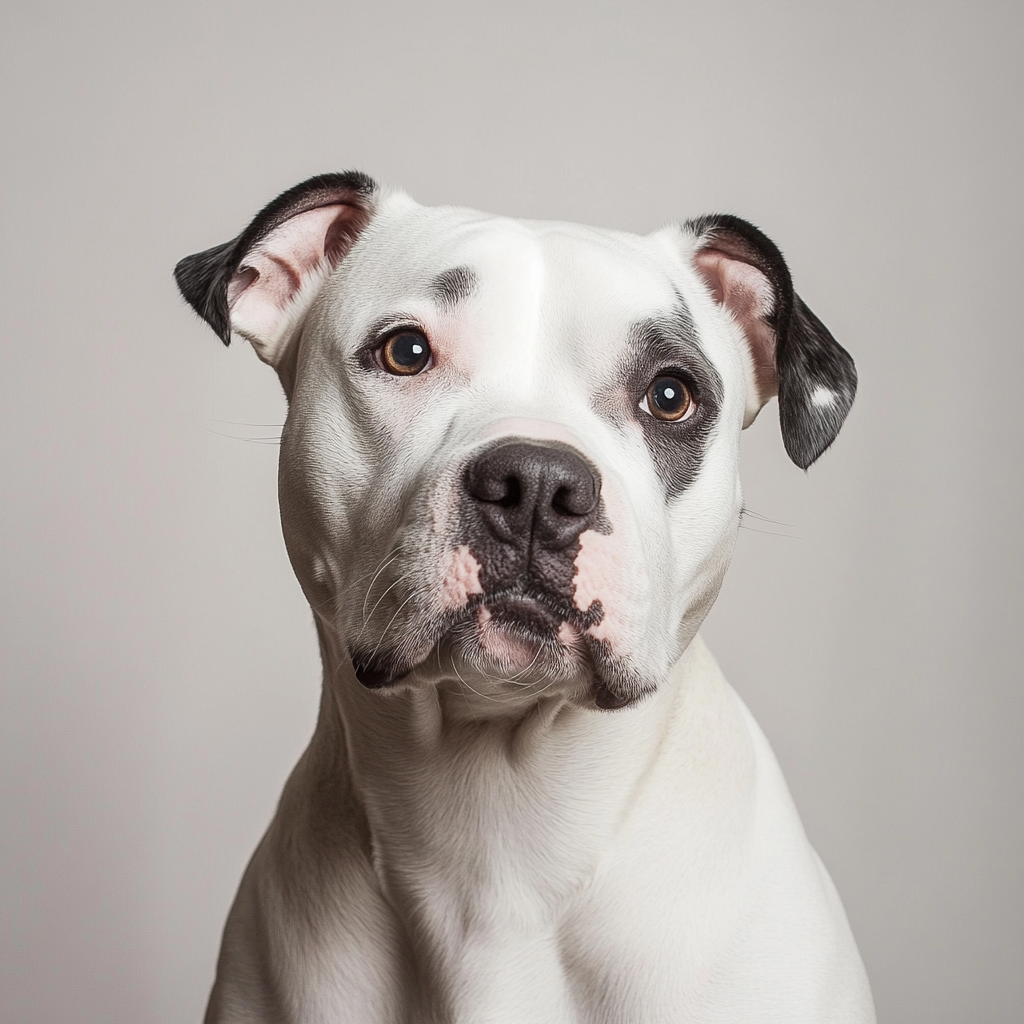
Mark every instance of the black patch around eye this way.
pixel 661 347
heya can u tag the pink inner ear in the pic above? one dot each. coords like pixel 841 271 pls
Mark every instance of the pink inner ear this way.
pixel 274 271
pixel 742 289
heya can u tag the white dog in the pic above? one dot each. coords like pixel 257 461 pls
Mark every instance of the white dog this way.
pixel 509 489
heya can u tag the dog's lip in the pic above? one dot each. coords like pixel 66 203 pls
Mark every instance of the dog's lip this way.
pixel 528 602
pixel 536 603
pixel 532 614
pixel 374 677
pixel 525 616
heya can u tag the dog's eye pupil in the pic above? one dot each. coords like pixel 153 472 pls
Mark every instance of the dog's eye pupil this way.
pixel 405 353
pixel 668 398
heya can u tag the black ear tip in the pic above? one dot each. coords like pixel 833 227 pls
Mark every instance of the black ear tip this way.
pixel 811 417
pixel 804 454
pixel 817 385
pixel 199 279
pixel 203 278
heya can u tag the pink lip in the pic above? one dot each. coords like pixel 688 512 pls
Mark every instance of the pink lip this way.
pixel 497 641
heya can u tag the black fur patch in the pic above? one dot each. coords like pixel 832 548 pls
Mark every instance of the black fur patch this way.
pixel 660 345
pixel 204 277
pixel 614 686
pixel 809 362
pixel 451 287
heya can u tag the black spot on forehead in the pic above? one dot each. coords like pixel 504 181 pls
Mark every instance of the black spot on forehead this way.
pixel 667 344
pixel 451 287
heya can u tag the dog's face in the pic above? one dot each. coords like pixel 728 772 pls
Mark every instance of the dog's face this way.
pixel 476 469
pixel 511 454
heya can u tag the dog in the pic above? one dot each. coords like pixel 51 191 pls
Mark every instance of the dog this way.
pixel 509 489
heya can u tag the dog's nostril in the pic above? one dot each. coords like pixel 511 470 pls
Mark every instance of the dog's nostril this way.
pixel 574 501
pixel 506 491
pixel 513 493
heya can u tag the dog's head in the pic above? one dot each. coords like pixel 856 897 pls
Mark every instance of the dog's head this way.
pixel 511 453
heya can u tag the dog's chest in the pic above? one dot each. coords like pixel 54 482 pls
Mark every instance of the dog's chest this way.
pixel 605 960
pixel 636 937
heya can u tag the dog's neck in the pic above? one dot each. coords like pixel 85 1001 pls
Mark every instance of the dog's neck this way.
pixel 481 828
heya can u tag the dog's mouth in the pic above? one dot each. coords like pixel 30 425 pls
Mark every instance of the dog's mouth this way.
pixel 532 612
pixel 505 630
pixel 521 614
pixel 523 635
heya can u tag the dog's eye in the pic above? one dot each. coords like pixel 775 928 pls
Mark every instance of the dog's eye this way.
pixel 669 399
pixel 405 353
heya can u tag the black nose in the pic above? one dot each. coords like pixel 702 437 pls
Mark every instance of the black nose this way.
pixel 534 493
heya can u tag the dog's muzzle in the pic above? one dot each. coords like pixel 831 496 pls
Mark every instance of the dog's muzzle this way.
pixel 524 506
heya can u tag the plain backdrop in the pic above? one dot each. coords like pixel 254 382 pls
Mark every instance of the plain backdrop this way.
pixel 160 673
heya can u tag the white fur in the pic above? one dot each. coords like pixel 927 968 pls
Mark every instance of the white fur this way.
pixel 478 844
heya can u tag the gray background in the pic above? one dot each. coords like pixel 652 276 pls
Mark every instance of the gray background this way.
pixel 159 666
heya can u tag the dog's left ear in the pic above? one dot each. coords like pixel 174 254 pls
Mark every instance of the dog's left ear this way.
pixel 791 351
pixel 259 284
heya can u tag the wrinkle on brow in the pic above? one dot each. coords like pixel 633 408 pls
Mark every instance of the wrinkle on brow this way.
pixel 452 286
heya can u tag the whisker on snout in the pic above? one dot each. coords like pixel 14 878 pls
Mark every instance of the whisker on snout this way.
pixel 244 423
pixel 384 564
pixel 400 579
pixel 414 593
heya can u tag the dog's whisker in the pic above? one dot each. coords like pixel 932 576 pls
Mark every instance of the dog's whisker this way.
pixel 400 579
pixel 462 692
pixel 327 607
pixel 376 575
pixel 363 576
pixel 769 533
pixel 388 626
pixel 243 423
pixel 518 675
pixel 248 440
pixel 552 679
pixel 764 519
pixel 472 689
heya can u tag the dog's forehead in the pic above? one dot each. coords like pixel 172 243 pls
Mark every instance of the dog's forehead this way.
pixel 556 272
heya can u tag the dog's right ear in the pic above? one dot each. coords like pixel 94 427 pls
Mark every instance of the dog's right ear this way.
pixel 258 284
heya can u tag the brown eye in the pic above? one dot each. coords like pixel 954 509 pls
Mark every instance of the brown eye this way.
pixel 405 353
pixel 668 398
